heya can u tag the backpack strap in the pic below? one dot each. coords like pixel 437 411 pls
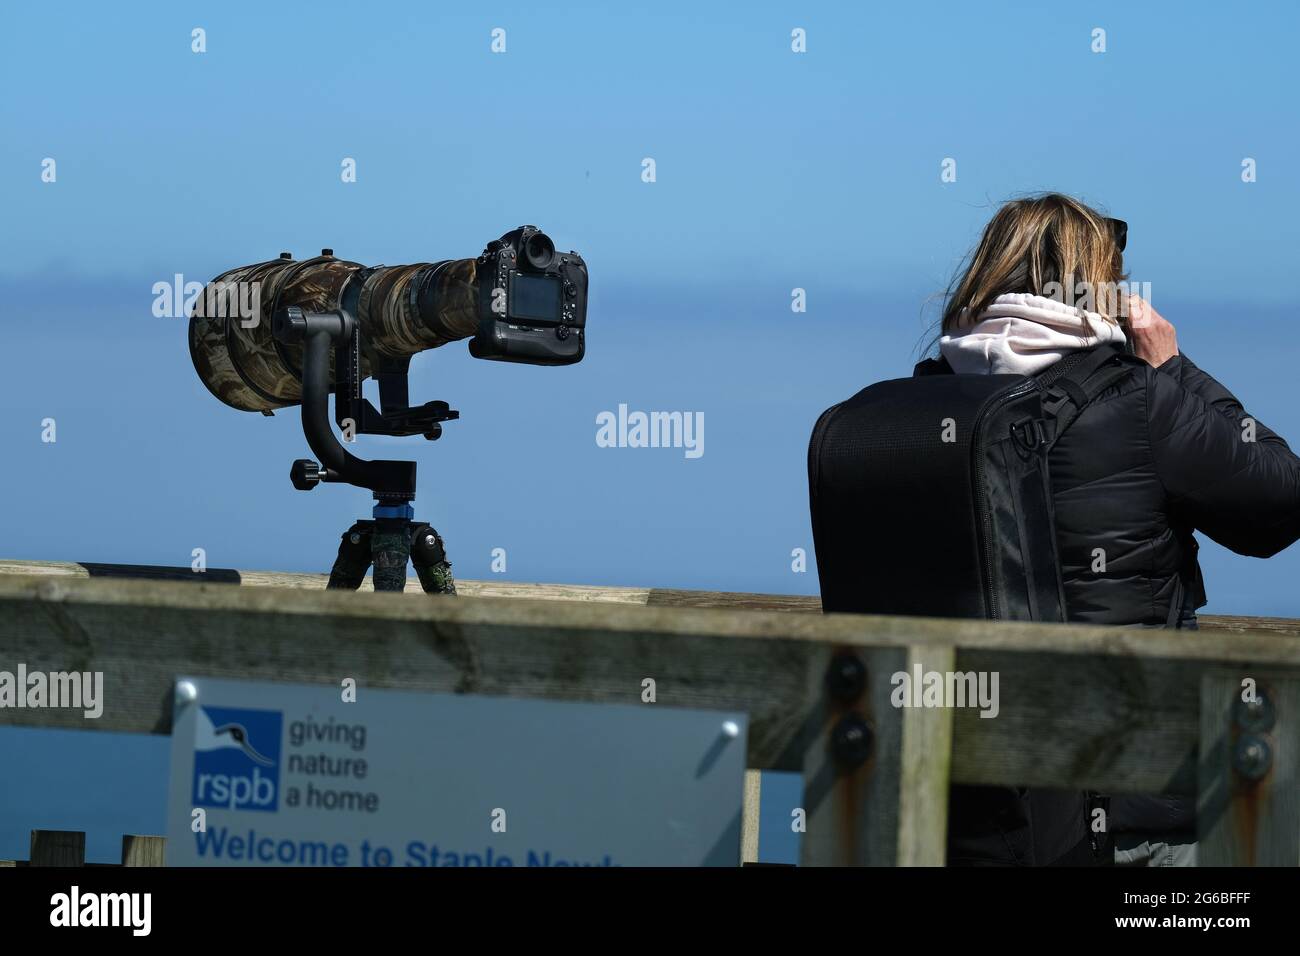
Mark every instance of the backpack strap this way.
pixel 1072 384
pixel 1176 602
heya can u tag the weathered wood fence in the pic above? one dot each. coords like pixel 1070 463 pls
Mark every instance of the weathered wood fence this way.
pixel 1110 709
pixel 68 848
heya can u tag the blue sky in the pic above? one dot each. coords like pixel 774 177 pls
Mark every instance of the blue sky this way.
pixel 774 170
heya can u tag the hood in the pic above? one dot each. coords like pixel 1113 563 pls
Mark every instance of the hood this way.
pixel 1024 334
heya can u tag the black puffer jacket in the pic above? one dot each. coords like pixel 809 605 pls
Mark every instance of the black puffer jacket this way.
pixel 1161 453
pixel 1165 452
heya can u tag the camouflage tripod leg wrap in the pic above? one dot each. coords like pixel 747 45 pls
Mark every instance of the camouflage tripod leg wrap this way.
pixel 429 556
pixel 390 549
pixel 353 561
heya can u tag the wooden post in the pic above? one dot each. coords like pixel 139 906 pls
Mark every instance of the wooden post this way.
pixel 1248 808
pixel 750 816
pixel 927 757
pixel 143 850
pixel 852 759
pixel 893 808
pixel 57 848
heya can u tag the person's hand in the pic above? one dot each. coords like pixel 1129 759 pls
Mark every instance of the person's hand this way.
pixel 1153 337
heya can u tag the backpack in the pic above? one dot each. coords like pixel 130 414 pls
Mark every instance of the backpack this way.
pixel 931 496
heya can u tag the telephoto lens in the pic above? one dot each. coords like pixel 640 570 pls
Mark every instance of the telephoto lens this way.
pixel 519 300
pixel 231 344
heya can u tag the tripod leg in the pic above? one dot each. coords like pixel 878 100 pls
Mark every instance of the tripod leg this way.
pixel 353 562
pixel 430 560
pixel 390 549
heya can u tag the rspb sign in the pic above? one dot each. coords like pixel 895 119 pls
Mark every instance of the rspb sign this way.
pixel 290 775
pixel 229 771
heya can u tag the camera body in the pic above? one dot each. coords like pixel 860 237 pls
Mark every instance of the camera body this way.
pixel 532 301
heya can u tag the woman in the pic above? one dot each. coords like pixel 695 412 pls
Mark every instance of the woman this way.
pixel 1164 452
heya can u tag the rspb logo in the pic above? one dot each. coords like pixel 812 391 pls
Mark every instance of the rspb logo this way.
pixel 237 759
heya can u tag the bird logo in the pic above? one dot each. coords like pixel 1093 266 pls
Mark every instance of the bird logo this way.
pixel 208 737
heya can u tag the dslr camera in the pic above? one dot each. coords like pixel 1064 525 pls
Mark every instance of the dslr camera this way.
pixel 532 301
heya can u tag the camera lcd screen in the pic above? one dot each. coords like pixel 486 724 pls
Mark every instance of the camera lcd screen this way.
pixel 535 297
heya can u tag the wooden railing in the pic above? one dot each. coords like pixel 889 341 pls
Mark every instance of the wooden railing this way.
pixel 1111 709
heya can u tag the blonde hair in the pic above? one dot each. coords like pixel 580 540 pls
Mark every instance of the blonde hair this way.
pixel 1044 245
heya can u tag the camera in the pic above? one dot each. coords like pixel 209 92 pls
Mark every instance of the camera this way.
pixel 532 301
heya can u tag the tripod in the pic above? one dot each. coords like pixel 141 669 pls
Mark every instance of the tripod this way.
pixel 387 543
pixel 392 536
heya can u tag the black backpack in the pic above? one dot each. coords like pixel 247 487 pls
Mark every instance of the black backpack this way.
pixel 930 495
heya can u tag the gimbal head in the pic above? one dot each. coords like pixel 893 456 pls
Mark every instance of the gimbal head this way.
pixel 392 482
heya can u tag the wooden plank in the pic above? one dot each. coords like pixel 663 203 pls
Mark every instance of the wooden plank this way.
pixel 667 597
pixel 1248 804
pixel 143 850
pixel 164 598
pixel 1109 723
pixel 316 582
pixel 141 635
pixel 1111 709
pixel 750 815
pixel 57 848
pixel 926 766
pixel 671 597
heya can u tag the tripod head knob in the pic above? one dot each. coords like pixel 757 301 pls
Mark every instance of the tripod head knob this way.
pixel 305 474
